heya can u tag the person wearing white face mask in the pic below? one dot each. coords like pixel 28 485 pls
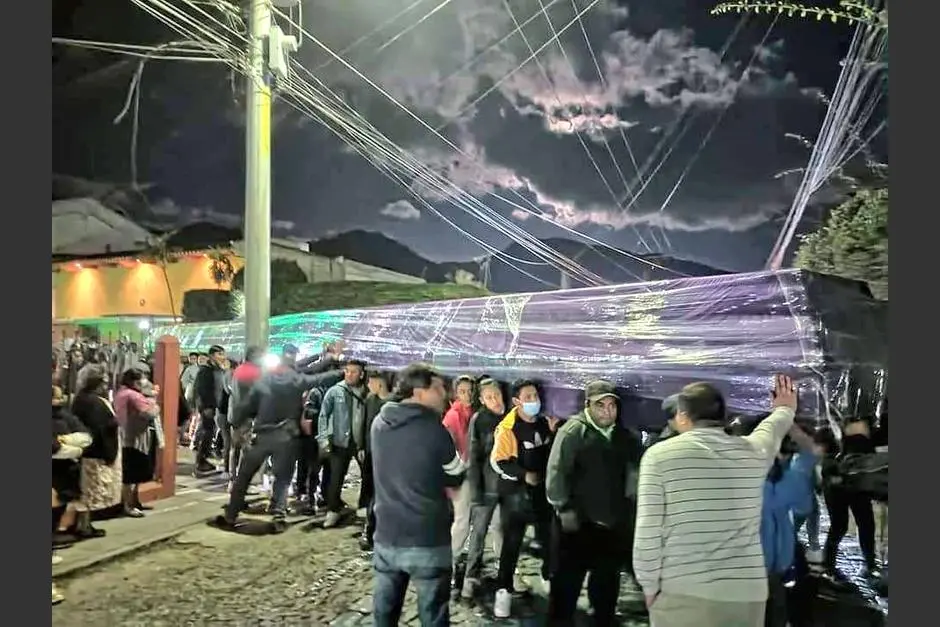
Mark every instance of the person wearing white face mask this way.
pixel 522 441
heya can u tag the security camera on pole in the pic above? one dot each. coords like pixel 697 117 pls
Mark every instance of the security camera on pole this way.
pixel 269 51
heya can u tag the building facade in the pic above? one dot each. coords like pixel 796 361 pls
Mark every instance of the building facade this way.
pixel 128 286
pixel 102 278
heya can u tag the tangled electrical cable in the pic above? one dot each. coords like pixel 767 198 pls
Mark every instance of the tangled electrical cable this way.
pixel 436 132
pixel 577 133
pixel 717 121
pixel 326 107
pixel 858 92
pixel 185 50
pixel 200 26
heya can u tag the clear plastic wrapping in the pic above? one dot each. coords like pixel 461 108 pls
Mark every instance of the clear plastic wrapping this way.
pixel 650 339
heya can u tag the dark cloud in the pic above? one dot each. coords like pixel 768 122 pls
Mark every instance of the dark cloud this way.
pixel 648 66
pixel 531 136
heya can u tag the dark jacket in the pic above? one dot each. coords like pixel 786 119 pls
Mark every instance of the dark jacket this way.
pixel 481 477
pixel 865 475
pixel 312 364
pixel 209 389
pixel 373 407
pixel 856 469
pixel 70 382
pixel 276 401
pixel 413 460
pixel 66 473
pixel 592 474
pixel 96 414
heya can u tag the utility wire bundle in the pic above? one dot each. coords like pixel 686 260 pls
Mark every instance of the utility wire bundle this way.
pixel 846 130
pixel 217 28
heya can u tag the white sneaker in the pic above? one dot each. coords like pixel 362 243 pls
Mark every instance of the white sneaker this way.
pixel 546 585
pixel 502 606
pixel 814 556
pixel 331 520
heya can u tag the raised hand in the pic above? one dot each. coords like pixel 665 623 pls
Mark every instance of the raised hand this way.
pixel 784 394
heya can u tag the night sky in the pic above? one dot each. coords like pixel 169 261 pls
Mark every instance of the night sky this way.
pixel 660 61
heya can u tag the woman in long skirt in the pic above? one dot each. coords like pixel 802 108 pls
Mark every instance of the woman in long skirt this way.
pixel 101 462
pixel 136 415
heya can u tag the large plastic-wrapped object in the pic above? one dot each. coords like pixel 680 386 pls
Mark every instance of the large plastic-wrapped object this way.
pixel 734 331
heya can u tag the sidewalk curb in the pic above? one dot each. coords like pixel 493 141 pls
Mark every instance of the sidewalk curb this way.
pixel 69 569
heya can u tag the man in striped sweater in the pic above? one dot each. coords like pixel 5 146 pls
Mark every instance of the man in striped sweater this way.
pixel 697 550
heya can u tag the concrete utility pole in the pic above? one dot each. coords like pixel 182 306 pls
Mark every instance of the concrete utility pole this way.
pixel 269 54
pixel 258 180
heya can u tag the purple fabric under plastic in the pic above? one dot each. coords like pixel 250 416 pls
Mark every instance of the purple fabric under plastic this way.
pixel 735 331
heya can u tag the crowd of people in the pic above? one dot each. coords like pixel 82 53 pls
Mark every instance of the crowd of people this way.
pixel 106 435
pixel 704 519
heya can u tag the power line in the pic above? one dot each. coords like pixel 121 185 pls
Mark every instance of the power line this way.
pixel 551 86
pixel 186 24
pixel 711 131
pixel 450 144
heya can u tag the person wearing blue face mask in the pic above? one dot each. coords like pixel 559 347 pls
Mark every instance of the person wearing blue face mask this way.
pixel 522 441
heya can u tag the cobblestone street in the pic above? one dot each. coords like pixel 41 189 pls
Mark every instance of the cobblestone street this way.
pixel 305 576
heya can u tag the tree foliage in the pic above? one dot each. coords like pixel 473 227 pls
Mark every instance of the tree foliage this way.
pixel 207 305
pixel 360 294
pixel 284 274
pixel 221 269
pixel 848 11
pixel 853 242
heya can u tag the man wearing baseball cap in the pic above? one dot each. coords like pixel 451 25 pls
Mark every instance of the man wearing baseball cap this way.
pixel 592 474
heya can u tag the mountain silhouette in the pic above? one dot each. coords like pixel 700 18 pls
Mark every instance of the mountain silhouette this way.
pixel 377 250
pixel 613 265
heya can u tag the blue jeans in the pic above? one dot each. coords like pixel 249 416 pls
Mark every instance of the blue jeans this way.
pixel 430 570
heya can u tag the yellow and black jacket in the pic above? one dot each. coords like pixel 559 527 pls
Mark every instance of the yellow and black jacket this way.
pixel 520 447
